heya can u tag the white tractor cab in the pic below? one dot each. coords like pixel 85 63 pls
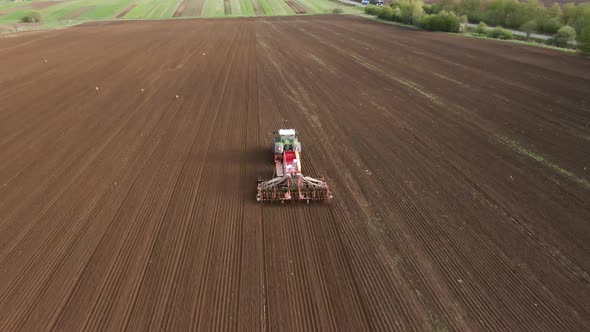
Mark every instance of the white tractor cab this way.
pixel 364 2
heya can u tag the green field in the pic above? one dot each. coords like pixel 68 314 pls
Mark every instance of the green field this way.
pixel 68 12
pixel 213 8
pixel 247 9
pixel 107 8
pixel 153 9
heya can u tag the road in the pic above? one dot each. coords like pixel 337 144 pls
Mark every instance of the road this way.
pixel 516 32
pixel 352 3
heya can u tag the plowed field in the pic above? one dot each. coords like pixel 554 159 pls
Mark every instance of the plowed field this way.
pixel 129 154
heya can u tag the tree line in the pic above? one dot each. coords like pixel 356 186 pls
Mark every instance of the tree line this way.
pixel 566 21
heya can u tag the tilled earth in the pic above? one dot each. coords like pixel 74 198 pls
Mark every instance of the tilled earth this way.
pixel 129 155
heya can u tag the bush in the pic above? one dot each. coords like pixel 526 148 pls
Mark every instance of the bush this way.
pixel 32 17
pixel 410 10
pixel 500 33
pixel 443 21
pixel 555 11
pixel 481 29
pixel 397 14
pixel 463 20
pixel 386 14
pixel 577 16
pixel 373 10
pixel 563 36
pixel 515 13
pixel 429 22
pixel 528 28
pixel 584 40
pixel 552 25
pixel 337 10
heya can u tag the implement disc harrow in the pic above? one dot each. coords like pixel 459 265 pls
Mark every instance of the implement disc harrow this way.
pixel 293 188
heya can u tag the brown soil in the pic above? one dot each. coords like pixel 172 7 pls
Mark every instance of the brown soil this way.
pixel 296 7
pixel 127 10
pixel 76 13
pixel 181 8
pixel 124 208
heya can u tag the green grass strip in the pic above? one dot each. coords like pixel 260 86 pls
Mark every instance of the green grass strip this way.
pixel 169 8
pixel 154 9
pixel 56 12
pixel 247 8
pixel 209 8
pixel 280 7
pixel 266 8
pixel 317 6
pixel 105 9
pixel 15 16
pixel 515 146
pixel 236 8
pixel 10 5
